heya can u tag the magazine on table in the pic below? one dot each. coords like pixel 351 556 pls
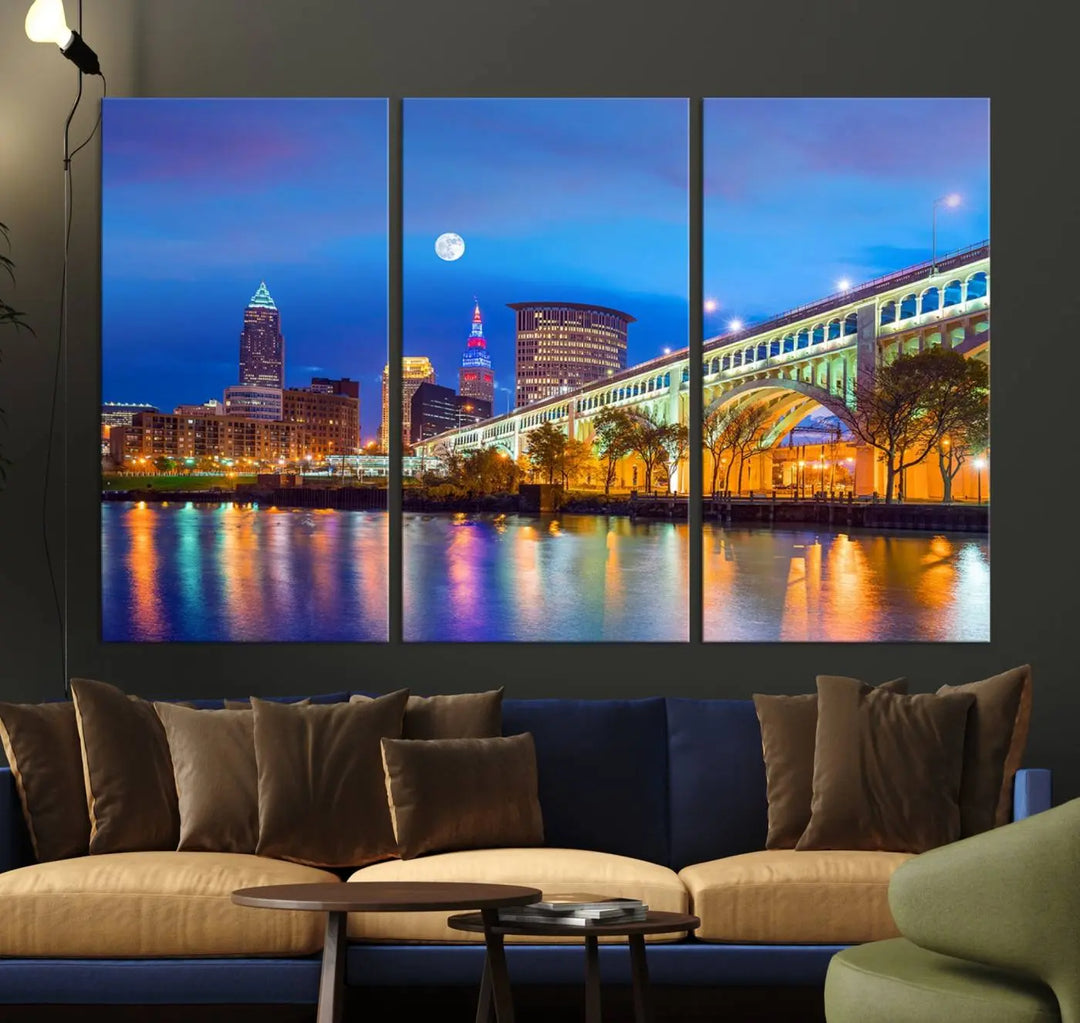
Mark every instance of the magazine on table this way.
pixel 576 909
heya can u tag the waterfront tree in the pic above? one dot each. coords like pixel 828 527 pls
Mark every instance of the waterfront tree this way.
pixel 914 403
pixel 613 437
pixel 649 440
pixel 676 442
pixel 749 436
pixel 577 456
pixel 546 448
pixel 966 440
pixel 719 432
pixel 488 471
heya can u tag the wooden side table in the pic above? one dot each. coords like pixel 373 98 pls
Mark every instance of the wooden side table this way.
pixel 496 978
pixel 337 900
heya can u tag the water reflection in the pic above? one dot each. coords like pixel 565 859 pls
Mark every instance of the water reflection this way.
pixel 225 572
pixel 203 572
pixel 532 578
pixel 803 585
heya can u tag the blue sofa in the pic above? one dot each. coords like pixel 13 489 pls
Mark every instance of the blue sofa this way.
pixel 674 782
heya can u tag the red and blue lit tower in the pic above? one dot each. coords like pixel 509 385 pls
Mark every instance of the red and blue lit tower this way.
pixel 476 378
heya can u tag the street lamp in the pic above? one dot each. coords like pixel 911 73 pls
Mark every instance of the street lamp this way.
pixel 844 284
pixel 711 305
pixel 980 464
pixel 735 324
pixel 951 201
pixel 854 469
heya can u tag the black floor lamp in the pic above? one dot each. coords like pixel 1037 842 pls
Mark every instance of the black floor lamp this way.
pixel 47 23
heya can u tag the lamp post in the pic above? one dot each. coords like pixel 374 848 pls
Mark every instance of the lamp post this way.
pixel 951 201
pixel 980 464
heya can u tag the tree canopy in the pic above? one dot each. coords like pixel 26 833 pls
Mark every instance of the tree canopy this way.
pixel 917 401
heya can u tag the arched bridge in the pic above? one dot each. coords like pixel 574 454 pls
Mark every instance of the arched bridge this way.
pixel 808 357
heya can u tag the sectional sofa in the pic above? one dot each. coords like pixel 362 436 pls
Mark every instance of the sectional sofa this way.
pixel 662 799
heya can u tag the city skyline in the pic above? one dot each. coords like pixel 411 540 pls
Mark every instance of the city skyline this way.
pixel 202 200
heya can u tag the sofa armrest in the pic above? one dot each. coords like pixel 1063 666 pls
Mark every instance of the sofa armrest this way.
pixel 1031 792
pixel 15 848
pixel 1008 898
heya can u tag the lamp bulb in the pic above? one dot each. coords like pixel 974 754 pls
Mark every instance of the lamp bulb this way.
pixel 45 23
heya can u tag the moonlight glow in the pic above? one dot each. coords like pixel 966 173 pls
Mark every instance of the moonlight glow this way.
pixel 450 246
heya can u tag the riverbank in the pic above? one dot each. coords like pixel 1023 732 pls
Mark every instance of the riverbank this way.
pixel 341 498
pixel 765 511
pixel 761 511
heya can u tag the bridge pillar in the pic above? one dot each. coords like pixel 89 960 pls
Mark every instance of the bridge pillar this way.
pixel 672 414
pixel 866 347
pixel 866 470
pixel 764 475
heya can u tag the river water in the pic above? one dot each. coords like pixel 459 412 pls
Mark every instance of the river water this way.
pixel 205 573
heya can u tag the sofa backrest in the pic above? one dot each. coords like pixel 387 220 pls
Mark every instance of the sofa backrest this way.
pixel 603 772
pixel 672 781
pixel 716 773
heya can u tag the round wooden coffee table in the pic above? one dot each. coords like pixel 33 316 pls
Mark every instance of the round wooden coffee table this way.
pixel 496 978
pixel 339 899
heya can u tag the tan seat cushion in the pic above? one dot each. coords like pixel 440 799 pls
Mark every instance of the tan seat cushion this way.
pixel 153 904
pixel 550 870
pixel 781 896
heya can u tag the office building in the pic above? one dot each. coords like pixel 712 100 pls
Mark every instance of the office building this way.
pixel 563 345
pixel 415 370
pixel 254 402
pixel 262 348
pixel 436 409
pixel 476 379
pixel 327 424
pixel 346 386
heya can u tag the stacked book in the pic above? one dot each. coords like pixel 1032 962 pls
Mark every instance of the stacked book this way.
pixel 575 909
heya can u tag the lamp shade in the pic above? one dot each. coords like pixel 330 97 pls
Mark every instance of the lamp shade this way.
pixel 46 23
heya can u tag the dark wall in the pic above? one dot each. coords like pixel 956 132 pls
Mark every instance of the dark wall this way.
pixel 561 47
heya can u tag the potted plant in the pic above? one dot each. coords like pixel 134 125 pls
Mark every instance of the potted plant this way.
pixel 9 317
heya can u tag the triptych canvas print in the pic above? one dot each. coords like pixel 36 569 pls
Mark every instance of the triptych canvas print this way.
pixel 547 422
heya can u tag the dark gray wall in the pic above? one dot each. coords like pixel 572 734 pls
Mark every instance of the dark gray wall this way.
pixel 561 47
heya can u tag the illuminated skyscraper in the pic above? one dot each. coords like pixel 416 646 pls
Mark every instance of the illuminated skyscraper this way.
pixel 475 378
pixel 415 370
pixel 262 348
pixel 563 345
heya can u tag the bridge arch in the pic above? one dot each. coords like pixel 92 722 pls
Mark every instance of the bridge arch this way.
pixel 773 387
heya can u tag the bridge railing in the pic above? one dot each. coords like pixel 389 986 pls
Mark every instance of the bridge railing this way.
pixel 958 257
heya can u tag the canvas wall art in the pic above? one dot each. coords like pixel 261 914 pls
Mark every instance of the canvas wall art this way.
pixel 244 276
pixel 545 416
pixel 846 445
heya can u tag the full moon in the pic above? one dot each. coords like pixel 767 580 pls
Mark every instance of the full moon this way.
pixel 450 246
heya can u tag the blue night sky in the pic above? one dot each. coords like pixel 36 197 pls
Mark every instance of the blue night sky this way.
pixel 202 199
pixel 573 200
pixel 557 200
pixel 800 193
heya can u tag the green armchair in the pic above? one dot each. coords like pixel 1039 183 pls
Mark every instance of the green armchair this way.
pixel 991 929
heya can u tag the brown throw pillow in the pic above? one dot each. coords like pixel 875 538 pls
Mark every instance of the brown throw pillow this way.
pixel 127 771
pixel 217 781
pixel 456 716
pixel 448 794
pixel 41 742
pixel 994 748
pixel 788 727
pixel 322 797
pixel 887 768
